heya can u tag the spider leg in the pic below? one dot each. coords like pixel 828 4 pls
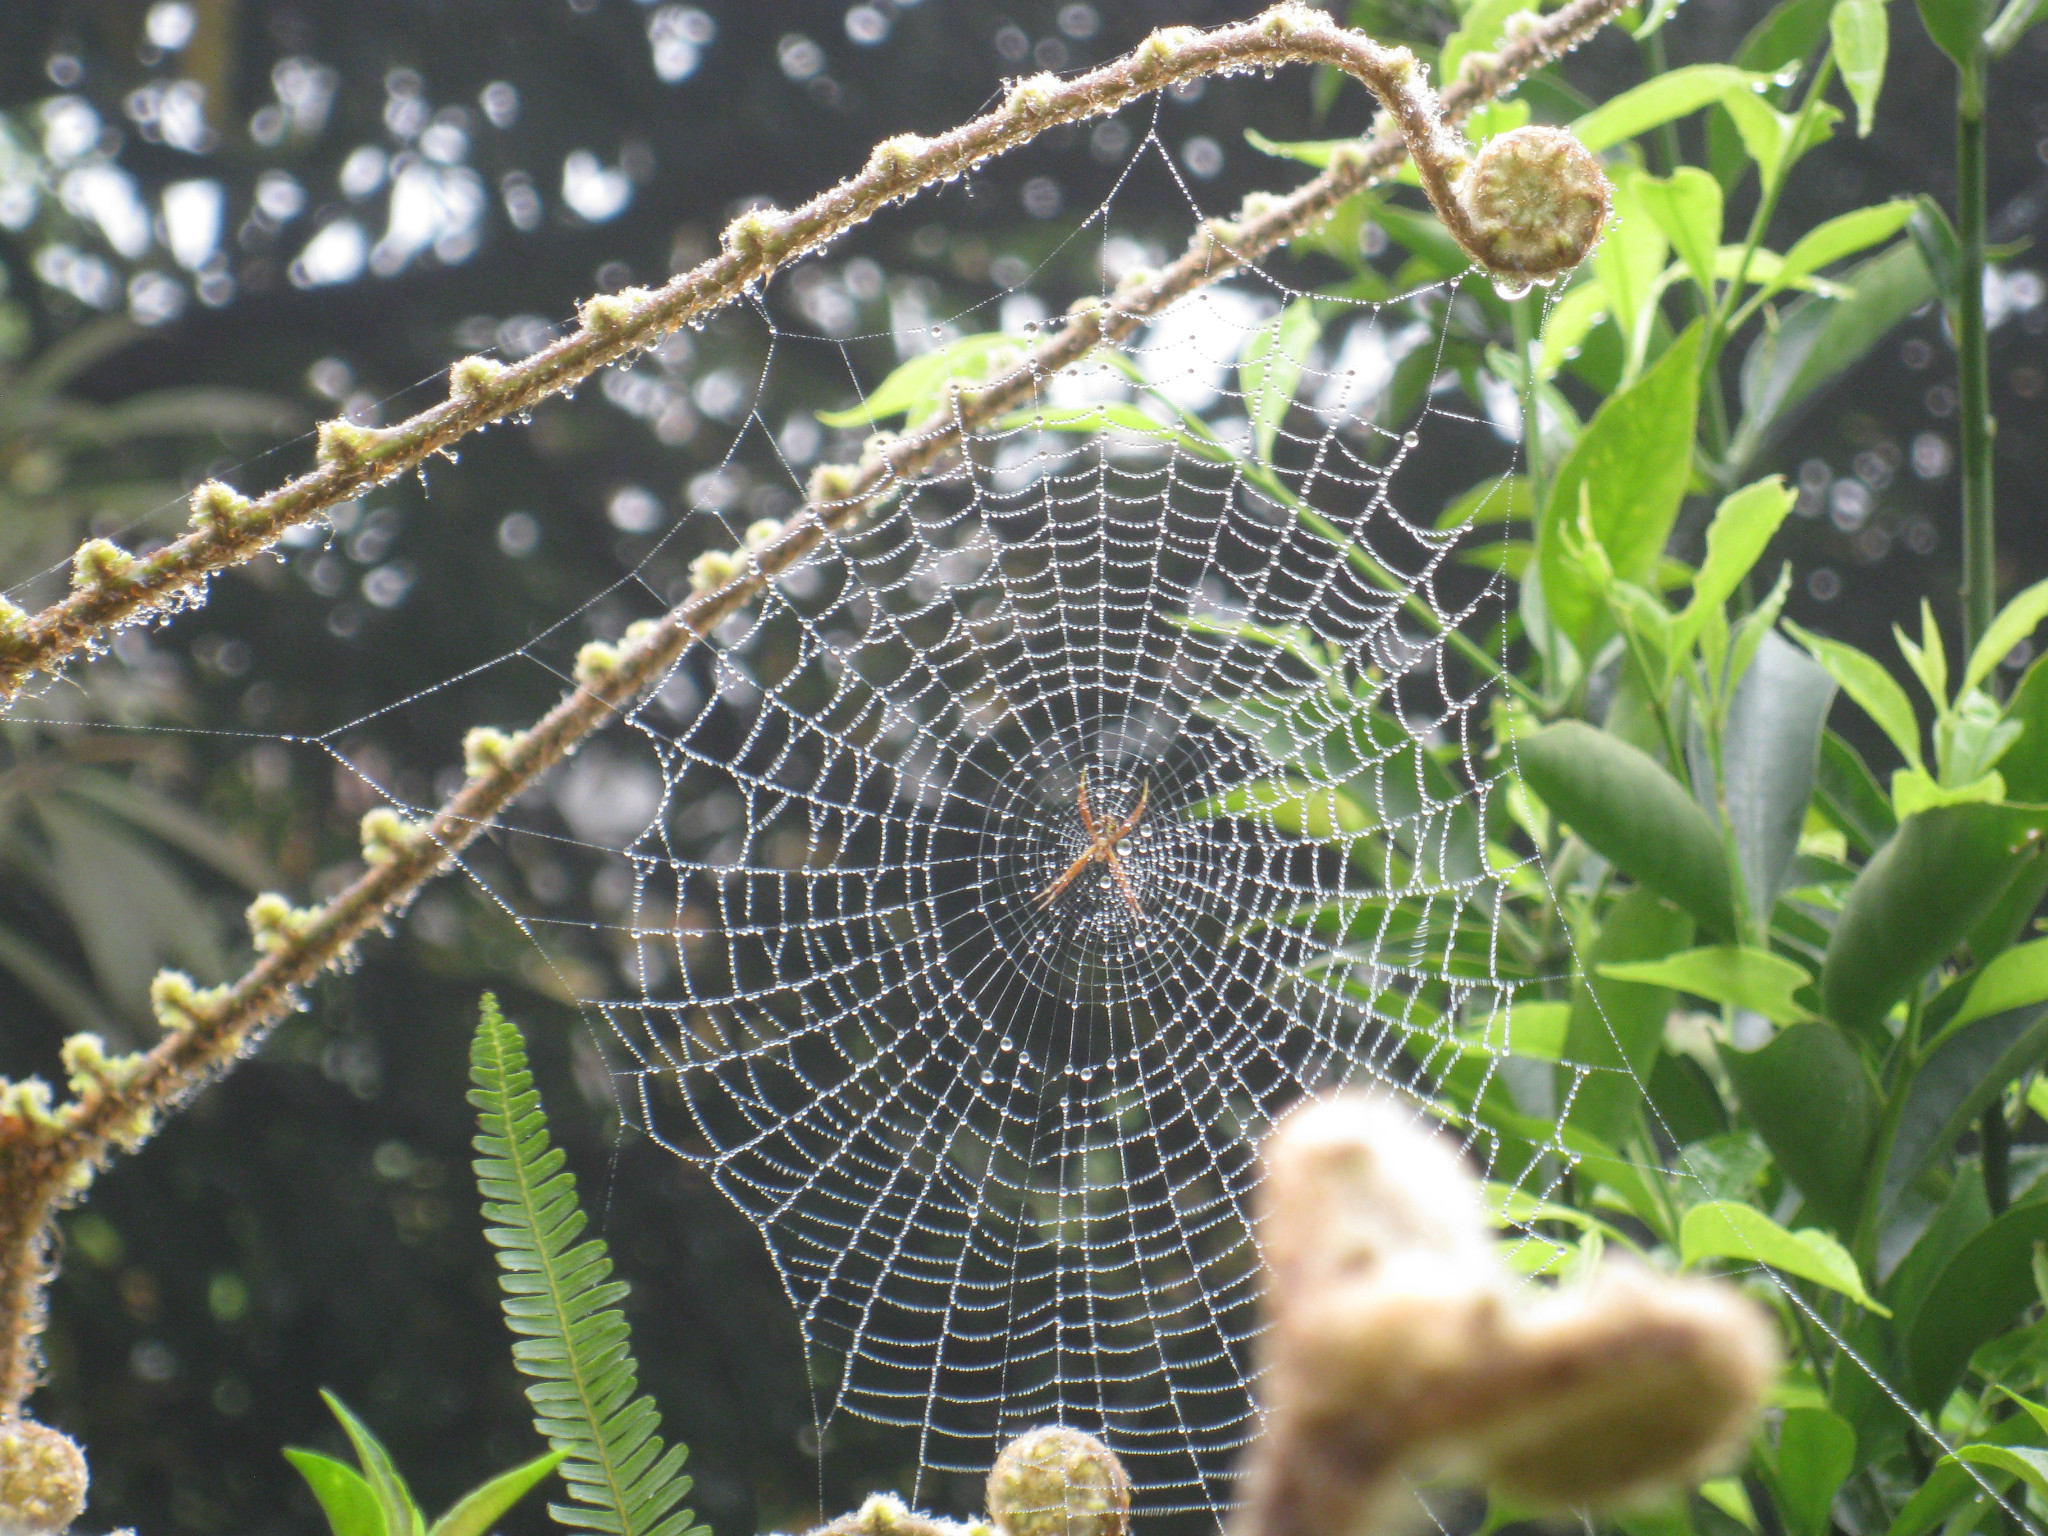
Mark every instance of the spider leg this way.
pixel 1130 821
pixel 1052 892
pixel 1087 816
pixel 1116 870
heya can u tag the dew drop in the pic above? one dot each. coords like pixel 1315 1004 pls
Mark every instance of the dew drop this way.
pixel 987 1078
pixel 1511 288
pixel 1009 1044
pixel 1087 1074
pixel 1411 439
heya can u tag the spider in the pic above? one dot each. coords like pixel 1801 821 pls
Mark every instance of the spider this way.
pixel 1102 841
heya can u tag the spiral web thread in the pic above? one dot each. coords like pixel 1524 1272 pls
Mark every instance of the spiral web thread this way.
pixel 1001 1150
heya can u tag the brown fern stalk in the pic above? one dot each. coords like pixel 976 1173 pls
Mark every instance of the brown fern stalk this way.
pixel 48 1155
pixel 112 586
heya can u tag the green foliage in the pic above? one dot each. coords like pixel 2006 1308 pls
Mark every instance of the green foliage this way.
pixel 1771 1011
pixel 562 1303
pixel 371 1498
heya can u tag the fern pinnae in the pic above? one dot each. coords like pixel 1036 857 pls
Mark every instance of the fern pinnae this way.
pixel 560 1299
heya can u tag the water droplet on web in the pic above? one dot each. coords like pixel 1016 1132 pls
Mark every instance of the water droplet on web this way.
pixel 938 330
pixel 1511 288
pixel 987 1078
pixel 1009 1044
pixel 1087 1074
pixel 1411 439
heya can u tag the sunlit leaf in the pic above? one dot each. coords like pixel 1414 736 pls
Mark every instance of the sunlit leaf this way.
pixel 1674 94
pixel 1862 33
pixel 1725 1229
pixel 1742 977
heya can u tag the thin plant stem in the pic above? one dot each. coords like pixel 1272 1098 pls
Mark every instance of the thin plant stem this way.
pixel 1979 583
pixel 1728 314
pixel 1528 314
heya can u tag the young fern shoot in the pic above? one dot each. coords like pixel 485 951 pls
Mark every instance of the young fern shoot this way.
pixel 562 1302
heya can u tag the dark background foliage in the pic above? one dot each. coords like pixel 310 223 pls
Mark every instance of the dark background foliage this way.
pixel 311 1221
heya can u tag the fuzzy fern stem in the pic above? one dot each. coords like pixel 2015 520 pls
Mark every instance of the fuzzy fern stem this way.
pixel 1502 212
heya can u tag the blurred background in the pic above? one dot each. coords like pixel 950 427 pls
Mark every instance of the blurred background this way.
pixel 221 220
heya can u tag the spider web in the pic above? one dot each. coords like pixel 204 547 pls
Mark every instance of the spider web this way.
pixel 997 1127
pixel 1001 1147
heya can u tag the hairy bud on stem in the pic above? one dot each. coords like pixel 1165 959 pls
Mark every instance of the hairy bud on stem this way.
pixel 42 1479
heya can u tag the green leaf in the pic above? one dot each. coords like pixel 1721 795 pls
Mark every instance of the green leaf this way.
pixel 1976 1296
pixel 1497 499
pixel 1480 28
pixel 1724 1229
pixel 2015 622
pixel 1912 903
pixel 561 1302
pixel 345 1496
pixel 1815 1455
pixel 1316 152
pixel 395 1506
pixel 1950 1485
pixel 1954 25
pixel 1616 1025
pixel 1866 681
pixel 1633 462
pixel 2025 764
pixel 1965 1071
pixel 481 1508
pixel 1270 371
pixel 2026 1462
pixel 1674 94
pixel 1569 322
pixel 1687 207
pixel 1846 234
pixel 1628 264
pixel 914 390
pixel 1734 974
pixel 2016 979
pixel 1770 750
pixel 2013 23
pixel 1634 814
pixel 1819 338
pixel 1824 1155
pixel 1781 42
pixel 1929 658
pixel 1862 33
pixel 1848 795
pixel 1776 140
pixel 1743 525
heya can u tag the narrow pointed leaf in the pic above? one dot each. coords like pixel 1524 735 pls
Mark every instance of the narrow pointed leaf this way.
pixel 481 1508
pixel 1634 814
pixel 1915 900
pixel 345 1495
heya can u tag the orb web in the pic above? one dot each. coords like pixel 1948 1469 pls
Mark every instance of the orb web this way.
pixel 990 1093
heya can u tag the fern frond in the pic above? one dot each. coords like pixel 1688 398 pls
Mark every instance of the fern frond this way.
pixel 561 1301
